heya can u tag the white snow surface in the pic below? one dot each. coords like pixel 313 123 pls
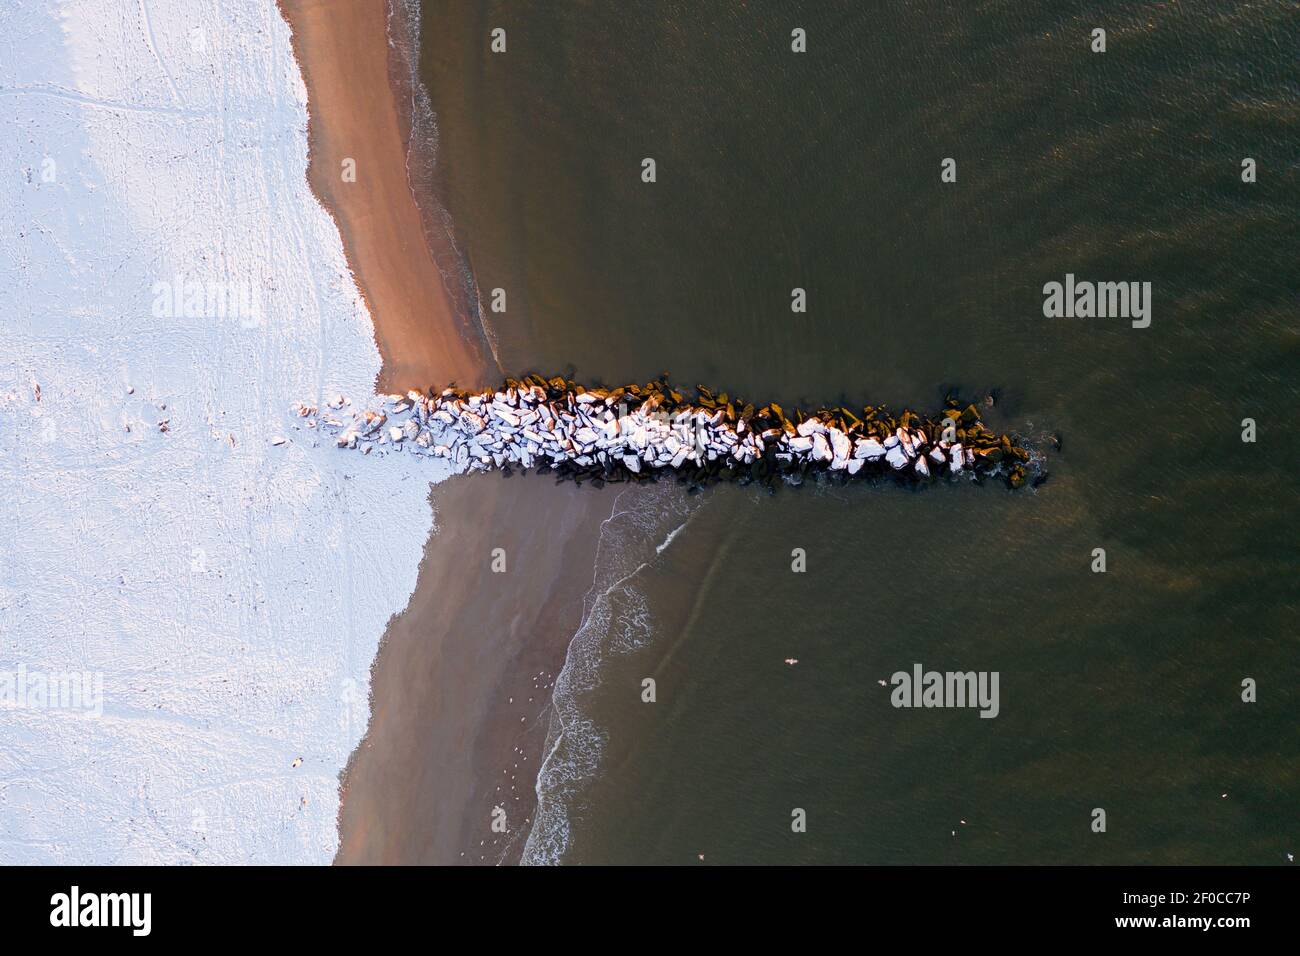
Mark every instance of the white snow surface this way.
pixel 230 592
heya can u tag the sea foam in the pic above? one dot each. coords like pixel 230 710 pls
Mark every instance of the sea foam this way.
pixel 616 620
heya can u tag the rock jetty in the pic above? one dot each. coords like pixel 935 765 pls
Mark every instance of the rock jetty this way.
pixel 639 431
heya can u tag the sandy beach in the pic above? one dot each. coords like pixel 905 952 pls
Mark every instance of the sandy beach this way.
pixel 342 48
pixel 461 685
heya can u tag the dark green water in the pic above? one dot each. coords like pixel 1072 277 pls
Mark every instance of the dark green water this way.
pixel 821 170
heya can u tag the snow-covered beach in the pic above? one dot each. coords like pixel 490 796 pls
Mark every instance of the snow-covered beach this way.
pixel 171 286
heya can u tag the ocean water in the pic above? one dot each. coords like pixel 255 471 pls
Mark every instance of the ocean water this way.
pixel 778 170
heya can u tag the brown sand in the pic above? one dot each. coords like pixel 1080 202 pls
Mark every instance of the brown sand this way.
pixel 462 687
pixel 342 49
pixel 446 742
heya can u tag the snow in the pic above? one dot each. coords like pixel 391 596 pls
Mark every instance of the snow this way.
pixel 229 592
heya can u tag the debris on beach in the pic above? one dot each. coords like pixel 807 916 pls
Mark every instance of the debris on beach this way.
pixel 633 432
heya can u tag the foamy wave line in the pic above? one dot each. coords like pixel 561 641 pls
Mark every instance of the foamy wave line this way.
pixel 575 743
pixel 663 546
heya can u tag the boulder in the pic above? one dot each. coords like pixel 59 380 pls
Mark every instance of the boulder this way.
pixel 840 445
pixel 868 448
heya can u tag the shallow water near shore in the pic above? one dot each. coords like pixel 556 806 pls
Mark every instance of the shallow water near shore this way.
pixel 822 171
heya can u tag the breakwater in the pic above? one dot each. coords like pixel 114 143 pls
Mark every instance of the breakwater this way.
pixel 637 432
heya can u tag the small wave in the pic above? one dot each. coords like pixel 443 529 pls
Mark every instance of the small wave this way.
pixel 616 619
pixel 672 534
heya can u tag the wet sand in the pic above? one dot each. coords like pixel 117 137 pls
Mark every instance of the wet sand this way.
pixel 342 48
pixel 461 685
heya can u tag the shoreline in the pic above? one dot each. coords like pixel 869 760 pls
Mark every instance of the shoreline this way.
pixel 343 53
pixel 226 723
pixel 461 688
pixel 456 666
